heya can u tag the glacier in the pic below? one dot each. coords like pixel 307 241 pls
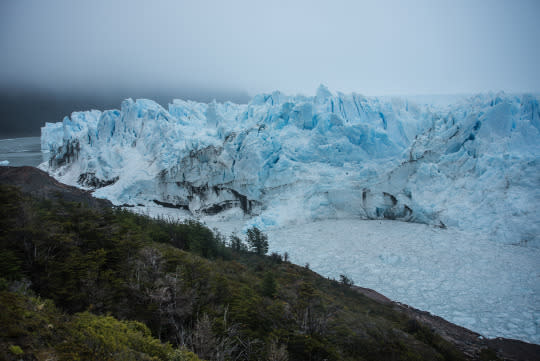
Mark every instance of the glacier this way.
pixel 471 164
pixel 432 202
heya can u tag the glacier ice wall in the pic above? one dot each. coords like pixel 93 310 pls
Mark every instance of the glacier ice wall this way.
pixel 473 164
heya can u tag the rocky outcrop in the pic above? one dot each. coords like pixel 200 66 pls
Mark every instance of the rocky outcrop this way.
pixel 39 184
pixel 91 181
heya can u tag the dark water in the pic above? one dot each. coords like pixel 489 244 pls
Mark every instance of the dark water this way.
pixel 21 151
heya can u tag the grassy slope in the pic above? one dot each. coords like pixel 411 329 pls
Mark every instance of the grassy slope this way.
pixel 181 287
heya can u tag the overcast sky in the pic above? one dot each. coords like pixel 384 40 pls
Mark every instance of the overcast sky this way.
pixel 371 47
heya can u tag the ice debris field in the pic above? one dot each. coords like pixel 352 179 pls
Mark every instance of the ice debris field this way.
pixel 488 287
pixel 462 177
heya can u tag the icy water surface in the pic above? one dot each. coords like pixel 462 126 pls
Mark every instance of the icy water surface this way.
pixel 21 151
pixel 489 287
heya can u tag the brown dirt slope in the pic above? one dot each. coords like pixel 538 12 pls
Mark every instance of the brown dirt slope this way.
pixel 471 343
pixel 39 184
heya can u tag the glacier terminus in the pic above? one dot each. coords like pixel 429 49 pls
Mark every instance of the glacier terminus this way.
pixel 281 159
pixel 431 201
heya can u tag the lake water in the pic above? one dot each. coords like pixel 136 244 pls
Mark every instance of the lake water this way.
pixel 21 151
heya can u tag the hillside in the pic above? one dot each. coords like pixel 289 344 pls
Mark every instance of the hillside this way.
pixel 80 280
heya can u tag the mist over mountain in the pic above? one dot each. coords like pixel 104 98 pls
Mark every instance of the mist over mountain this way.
pixel 23 111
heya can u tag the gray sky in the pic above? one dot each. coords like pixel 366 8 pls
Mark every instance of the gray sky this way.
pixel 371 47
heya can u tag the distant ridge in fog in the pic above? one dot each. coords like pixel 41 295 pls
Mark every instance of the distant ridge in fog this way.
pixel 24 111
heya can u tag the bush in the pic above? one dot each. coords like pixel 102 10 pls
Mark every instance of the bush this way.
pixel 16 350
pixel 346 281
pixel 106 338
pixel 182 355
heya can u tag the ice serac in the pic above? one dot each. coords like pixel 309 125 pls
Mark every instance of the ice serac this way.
pixel 472 164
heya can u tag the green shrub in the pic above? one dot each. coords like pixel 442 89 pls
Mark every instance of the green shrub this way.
pixel 106 338
pixel 182 354
pixel 16 350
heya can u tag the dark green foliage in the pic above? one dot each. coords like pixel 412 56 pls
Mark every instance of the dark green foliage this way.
pixel 236 244
pixel 487 354
pixel 10 267
pixel 346 281
pixel 269 285
pixel 258 241
pixel 426 335
pixel 36 327
pixel 180 283
pixel 306 347
pixel 276 258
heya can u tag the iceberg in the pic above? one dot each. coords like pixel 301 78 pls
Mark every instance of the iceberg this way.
pixel 472 164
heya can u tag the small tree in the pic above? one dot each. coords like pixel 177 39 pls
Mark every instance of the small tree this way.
pixel 269 285
pixel 276 258
pixel 258 241
pixel 236 244
pixel 346 281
